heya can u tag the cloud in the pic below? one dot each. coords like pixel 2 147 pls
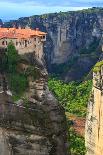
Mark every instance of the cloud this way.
pixel 67 3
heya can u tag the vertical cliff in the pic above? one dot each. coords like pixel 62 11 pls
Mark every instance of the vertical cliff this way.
pixel 94 123
pixel 35 124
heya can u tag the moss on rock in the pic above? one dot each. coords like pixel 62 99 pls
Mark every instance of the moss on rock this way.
pixel 97 66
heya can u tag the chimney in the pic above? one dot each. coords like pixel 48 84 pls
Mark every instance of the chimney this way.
pixel 19 27
pixel 37 29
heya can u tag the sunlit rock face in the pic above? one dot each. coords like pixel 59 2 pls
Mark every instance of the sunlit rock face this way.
pixel 34 127
pixel 94 121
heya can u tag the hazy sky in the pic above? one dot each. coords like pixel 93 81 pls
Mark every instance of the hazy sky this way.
pixel 12 9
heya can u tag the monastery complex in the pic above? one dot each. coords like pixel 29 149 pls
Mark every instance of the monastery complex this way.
pixel 24 40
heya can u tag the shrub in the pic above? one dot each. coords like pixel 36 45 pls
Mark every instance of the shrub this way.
pixel 76 143
pixel 18 83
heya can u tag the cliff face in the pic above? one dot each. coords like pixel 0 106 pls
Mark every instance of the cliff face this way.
pixel 35 125
pixel 94 123
pixel 70 36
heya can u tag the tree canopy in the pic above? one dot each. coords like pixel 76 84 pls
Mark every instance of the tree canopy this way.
pixel 12 57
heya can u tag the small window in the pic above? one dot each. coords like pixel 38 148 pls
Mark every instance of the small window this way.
pixel 6 42
pixel 16 43
pixel 3 43
pixel 43 37
pixel 25 43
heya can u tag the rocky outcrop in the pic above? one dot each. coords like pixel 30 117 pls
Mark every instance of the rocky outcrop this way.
pixel 70 35
pixel 94 121
pixel 35 124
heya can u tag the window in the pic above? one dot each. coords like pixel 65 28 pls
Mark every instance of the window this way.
pixel 6 42
pixel 25 43
pixel 16 43
pixel 3 43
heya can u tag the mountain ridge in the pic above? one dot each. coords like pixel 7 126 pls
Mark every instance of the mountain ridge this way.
pixel 69 40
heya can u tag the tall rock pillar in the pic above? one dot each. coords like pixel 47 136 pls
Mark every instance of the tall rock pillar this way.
pixel 94 122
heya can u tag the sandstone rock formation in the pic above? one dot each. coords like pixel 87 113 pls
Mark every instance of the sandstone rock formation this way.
pixel 94 123
pixel 35 126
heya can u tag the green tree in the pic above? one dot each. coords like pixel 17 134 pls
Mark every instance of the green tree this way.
pixel 18 83
pixel 76 143
pixel 13 58
pixel 3 62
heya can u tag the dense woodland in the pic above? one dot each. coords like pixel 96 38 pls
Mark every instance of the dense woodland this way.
pixel 73 97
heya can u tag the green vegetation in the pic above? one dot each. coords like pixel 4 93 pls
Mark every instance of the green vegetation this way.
pixel 76 143
pixel 17 81
pixel 92 47
pixel 13 58
pixel 33 71
pixel 66 14
pixel 3 62
pixel 92 10
pixel 17 78
pixel 61 68
pixel 97 66
pixel 73 96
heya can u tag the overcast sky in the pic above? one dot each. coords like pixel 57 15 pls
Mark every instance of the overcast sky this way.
pixel 13 9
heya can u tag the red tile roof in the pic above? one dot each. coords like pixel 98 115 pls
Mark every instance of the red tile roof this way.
pixel 19 33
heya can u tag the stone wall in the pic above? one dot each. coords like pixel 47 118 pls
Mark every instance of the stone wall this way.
pixel 31 45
